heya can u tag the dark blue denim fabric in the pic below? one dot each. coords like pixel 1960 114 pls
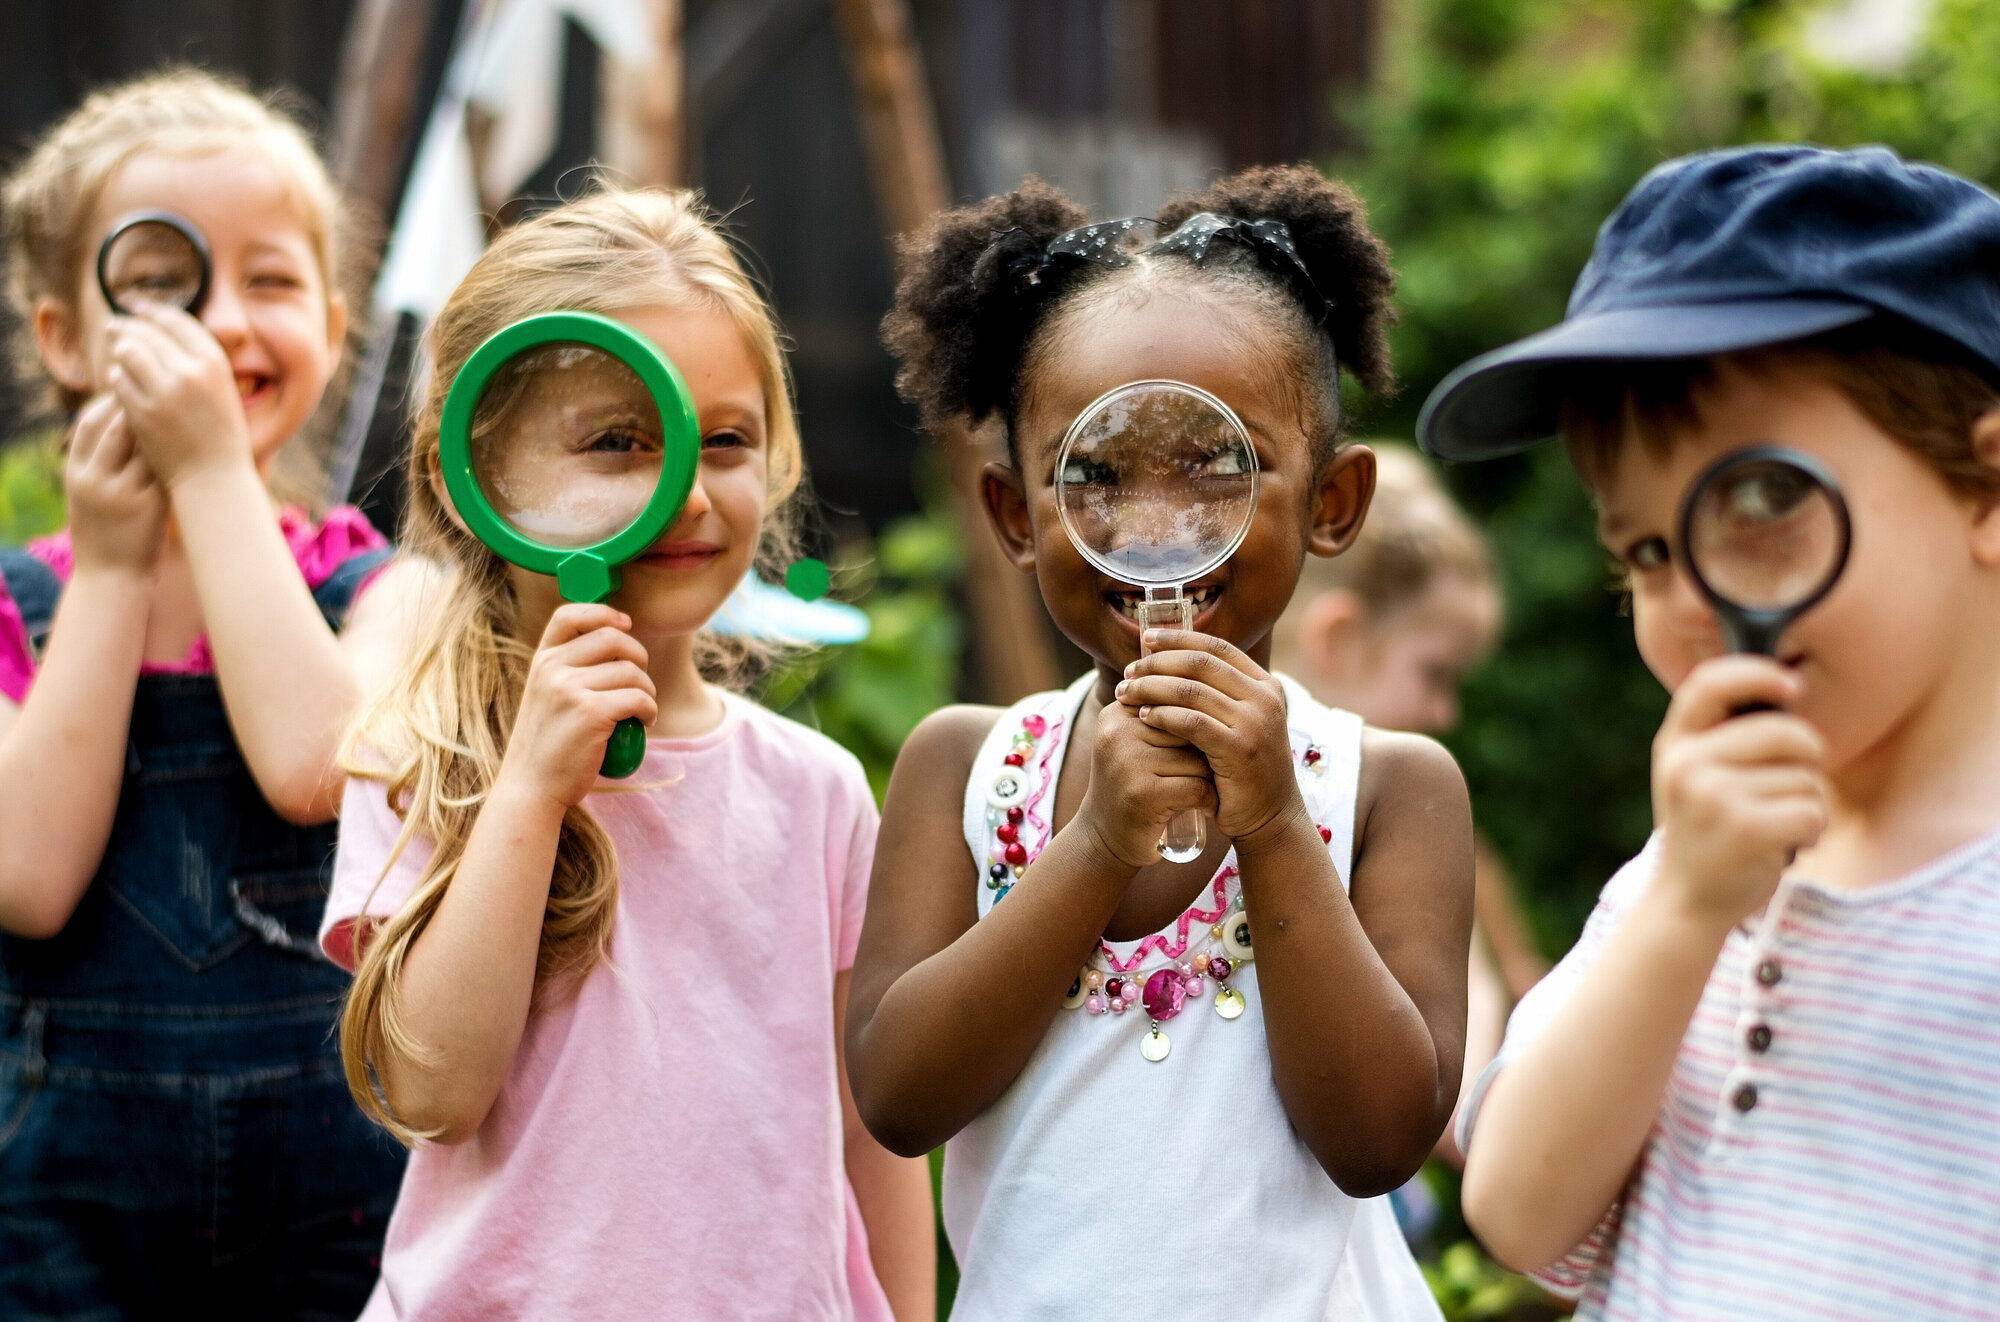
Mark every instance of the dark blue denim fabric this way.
pixel 176 1137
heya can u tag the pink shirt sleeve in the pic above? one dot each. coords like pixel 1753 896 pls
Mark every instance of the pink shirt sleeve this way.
pixel 17 666
pixel 853 900
pixel 369 829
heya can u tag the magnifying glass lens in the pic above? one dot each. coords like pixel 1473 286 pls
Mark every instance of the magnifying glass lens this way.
pixel 1156 484
pixel 566 444
pixel 152 261
pixel 1766 535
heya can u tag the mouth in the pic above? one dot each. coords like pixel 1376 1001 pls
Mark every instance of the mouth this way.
pixel 1127 601
pixel 680 555
pixel 252 385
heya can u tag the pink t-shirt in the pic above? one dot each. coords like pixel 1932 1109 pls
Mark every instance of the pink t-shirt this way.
pixel 668 1142
pixel 319 548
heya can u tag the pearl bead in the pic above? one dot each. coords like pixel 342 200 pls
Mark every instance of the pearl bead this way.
pixel 1093 980
pixel 1095 1005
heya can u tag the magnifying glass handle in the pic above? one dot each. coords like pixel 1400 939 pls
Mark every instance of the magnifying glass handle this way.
pixel 625 750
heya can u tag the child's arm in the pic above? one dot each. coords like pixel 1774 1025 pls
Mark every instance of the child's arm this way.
pixel 948 1007
pixel 1561 1126
pixel 893 1193
pixel 1363 992
pixel 469 977
pixel 289 691
pixel 62 751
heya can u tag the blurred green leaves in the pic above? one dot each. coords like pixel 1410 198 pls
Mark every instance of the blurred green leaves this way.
pixel 31 502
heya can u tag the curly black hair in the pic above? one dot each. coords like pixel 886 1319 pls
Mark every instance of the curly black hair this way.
pixel 972 297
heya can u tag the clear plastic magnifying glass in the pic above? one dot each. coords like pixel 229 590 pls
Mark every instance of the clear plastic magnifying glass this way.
pixel 1156 484
pixel 1765 534
pixel 569 445
pixel 153 257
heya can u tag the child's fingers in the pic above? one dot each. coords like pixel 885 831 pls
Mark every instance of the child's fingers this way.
pixel 177 325
pixel 1766 737
pixel 88 434
pixel 619 704
pixel 574 619
pixel 1214 661
pixel 1175 691
pixel 597 648
pixel 1723 686
pixel 609 676
pixel 1197 727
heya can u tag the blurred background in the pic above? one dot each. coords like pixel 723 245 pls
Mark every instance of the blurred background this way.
pixel 1489 138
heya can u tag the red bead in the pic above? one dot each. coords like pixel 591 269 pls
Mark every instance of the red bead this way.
pixel 1015 815
pixel 1017 854
pixel 1015 759
pixel 1008 832
pixel 1325 835
pixel 1219 969
pixel 1113 987
pixel 1035 726
pixel 1312 756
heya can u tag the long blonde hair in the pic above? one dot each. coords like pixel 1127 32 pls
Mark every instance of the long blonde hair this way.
pixel 50 197
pixel 435 739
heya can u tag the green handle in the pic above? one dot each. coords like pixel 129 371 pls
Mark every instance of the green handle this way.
pixel 625 750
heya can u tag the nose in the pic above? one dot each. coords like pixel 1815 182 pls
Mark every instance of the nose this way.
pixel 698 503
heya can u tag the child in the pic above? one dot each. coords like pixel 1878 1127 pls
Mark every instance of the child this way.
pixel 1388 631
pixel 609 1021
pixel 1766 1082
pixel 174 1134
pixel 1234 1174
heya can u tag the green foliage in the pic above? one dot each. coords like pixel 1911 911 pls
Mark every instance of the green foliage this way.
pixel 1470 1288
pixel 31 502
pixel 870 695
pixel 1498 137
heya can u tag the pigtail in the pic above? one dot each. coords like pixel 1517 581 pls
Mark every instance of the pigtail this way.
pixel 970 295
pixel 1329 227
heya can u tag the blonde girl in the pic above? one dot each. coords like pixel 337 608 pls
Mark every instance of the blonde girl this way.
pixel 174 687
pixel 608 1021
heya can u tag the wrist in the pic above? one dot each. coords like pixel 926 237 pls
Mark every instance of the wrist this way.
pixel 1282 830
pixel 520 799
pixel 1673 903
pixel 94 574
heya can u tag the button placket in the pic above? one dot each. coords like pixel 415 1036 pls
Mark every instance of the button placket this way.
pixel 1746 1087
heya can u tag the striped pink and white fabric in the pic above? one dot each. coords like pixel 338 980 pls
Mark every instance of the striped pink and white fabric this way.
pixel 1828 1149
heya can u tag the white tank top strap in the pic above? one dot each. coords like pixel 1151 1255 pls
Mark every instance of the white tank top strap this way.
pixel 1037 728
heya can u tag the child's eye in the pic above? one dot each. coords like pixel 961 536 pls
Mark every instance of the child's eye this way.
pixel 1647 553
pixel 616 441
pixel 724 440
pixel 1223 463
pixel 1080 471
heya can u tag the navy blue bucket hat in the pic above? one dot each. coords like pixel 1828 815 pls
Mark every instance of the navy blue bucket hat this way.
pixel 1736 249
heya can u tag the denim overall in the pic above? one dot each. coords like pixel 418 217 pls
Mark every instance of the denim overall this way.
pixel 176 1136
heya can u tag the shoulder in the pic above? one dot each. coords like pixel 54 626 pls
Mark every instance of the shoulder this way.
pixel 947 741
pixel 1400 768
pixel 803 751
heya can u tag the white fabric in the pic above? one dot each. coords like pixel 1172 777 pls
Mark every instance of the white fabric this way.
pixel 1103 1183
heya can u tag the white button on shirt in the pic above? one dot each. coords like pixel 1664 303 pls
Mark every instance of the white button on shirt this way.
pixel 1828 1147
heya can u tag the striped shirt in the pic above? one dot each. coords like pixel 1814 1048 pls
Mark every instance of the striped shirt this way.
pixel 1828 1147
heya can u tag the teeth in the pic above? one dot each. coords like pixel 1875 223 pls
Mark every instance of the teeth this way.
pixel 1128 602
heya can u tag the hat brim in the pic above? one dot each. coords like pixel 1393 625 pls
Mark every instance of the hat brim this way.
pixel 1509 399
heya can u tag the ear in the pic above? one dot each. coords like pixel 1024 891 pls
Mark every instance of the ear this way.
pixel 442 496
pixel 1986 520
pixel 1007 510
pixel 1333 633
pixel 1345 485
pixel 58 341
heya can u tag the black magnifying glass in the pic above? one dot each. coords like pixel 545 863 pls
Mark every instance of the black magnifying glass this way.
pixel 153 257
pixel 1764 533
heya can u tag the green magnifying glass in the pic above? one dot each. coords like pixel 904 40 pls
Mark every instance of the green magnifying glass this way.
pixel 569 445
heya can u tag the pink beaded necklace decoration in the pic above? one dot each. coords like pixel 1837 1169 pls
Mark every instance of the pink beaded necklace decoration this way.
pixel 1208 943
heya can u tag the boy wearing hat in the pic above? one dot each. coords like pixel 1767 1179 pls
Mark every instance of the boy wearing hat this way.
pixel 1766 1082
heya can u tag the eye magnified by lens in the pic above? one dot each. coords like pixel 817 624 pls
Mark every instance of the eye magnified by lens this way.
pixel 1766 533
pixel 566 444
pixel 153 258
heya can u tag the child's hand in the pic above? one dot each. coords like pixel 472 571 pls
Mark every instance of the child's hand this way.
pixel 1139 778
pixel 179 391
pixel 587 675
pixel 117 512
pixel 1206 691
pixel 1735 796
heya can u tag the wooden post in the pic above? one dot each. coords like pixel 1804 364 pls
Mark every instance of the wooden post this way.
pixel 899 130
pixel 644 122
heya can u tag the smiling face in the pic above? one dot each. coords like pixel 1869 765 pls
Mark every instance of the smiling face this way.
pixel 673 589
pixel 1914 602
pixel 268 303
pixel 1194 336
